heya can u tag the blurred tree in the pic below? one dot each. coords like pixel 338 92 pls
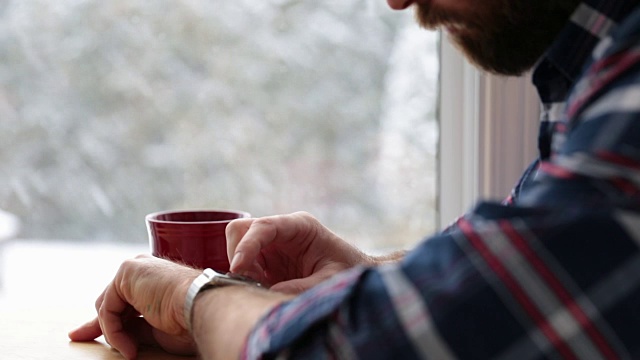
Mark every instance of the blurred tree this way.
pixel 113 109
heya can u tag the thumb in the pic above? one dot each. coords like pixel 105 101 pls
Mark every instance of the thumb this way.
pixel 297 286
pixel 86 332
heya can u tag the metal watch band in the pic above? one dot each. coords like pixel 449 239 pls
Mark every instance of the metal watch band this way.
pixel 209 279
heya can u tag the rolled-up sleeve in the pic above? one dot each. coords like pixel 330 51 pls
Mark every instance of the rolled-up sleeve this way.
pixel 362 313
pixel 503 283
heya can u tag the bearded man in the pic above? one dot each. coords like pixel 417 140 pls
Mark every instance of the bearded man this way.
pixel 553 272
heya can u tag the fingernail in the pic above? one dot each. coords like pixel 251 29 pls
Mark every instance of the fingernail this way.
pixel 237 259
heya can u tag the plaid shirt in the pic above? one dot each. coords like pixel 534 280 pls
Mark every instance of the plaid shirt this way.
pixel 554 272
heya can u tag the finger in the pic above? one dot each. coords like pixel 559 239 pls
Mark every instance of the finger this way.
pixel 111 314
pixel 140 329
pixel 100 299
pixel 87 332
pixel 260 234
pixel 234 232
pixel 264 231
pixel 145 334
pixel 255 272
pixel 92 330
pixel 173 344
pixel 298 286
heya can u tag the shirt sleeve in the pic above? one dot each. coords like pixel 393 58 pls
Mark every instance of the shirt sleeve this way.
pixel 553 275
pixel 504 282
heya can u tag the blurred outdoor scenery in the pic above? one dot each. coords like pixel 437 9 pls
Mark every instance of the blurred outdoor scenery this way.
pixel 110 110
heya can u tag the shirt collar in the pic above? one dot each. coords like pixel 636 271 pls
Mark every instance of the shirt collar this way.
pixel 564 60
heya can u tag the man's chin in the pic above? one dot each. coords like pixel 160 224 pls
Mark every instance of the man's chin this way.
pixel 490 55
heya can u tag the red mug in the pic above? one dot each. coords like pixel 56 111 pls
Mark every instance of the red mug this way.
pixel 192 237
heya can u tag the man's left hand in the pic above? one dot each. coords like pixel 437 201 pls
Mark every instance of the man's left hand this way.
pixel 143 305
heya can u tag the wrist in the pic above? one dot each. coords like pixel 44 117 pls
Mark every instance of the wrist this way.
pixel 387 258
pixel 179 297
pixel 207 280
pixel 224 317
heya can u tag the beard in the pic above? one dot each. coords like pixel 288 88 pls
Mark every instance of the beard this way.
pixel 505 37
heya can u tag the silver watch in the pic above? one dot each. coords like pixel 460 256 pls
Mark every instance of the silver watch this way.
pixel 211 279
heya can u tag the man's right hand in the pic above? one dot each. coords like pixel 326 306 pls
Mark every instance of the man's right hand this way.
pixel 291 253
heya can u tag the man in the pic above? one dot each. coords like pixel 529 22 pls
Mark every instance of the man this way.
pixel 552 273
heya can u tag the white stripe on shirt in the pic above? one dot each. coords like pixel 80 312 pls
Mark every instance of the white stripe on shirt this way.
pixel 409 306
pixel 592 21
pixel 539 292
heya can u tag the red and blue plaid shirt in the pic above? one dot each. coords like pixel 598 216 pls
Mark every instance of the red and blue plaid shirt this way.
pixel 553 273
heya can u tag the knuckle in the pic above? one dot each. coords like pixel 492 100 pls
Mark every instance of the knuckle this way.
pixel 233 227
pixel 265 221
pixel 305 217
pixel 303 214
pixel 129 263
pixel 102 312
pixel 265 227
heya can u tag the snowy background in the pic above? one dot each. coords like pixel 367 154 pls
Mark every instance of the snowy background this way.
pixel 110 110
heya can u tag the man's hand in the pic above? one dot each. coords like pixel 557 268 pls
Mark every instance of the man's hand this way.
pixel 291 253
pixel 147 286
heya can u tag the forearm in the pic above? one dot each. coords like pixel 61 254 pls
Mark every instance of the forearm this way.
pixel 224 317
pixel 388 258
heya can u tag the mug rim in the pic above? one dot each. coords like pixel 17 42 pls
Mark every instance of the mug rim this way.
pixel 152 217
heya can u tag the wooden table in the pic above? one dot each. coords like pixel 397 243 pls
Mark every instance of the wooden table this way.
pixel 50 290
pixel 42 334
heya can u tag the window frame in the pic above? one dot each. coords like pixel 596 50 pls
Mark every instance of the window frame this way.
pixel 488 133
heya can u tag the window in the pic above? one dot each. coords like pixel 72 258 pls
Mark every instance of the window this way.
pixel 114 109
pixel 489 126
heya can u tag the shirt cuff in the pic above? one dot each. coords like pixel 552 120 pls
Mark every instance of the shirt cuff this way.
pixel 287 322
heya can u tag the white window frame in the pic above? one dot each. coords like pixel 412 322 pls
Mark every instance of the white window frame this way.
pixel 488 133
